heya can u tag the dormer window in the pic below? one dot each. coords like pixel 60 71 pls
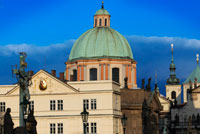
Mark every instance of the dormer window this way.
pixel 100 22
pixel 105 22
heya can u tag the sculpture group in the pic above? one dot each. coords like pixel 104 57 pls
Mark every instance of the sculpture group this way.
pixel 27 126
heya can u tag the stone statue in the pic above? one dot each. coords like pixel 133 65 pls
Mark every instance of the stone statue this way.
pixel 8 123
pixel 143 82
pixel 31 123
pixel 24 80
pixel 148 87
pixel 125 82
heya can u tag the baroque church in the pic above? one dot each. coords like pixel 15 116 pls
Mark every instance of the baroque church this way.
pixel 99 61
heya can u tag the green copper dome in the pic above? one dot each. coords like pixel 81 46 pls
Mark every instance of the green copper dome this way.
pixel 102 11
pixel 193 75
pixel 101 42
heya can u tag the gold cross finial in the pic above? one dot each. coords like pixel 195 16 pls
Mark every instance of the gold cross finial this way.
pixel 102 4
pixel 197 58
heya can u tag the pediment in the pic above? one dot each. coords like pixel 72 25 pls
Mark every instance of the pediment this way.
pixel 155 102
pixel 53 85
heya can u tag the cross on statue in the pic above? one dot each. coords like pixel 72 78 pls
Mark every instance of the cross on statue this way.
pixel 24 81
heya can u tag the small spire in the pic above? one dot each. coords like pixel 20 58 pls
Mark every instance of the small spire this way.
pixel 156 82
pixel 173 79
pixel 197 58
pixel 172 47
pixel 102 4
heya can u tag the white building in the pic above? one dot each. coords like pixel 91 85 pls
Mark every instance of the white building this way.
pixel 58 107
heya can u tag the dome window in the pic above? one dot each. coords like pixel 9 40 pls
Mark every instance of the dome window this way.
pixel 115 74
pixel 100 21
pixel 105 22
pixel 93 74
pixel 73 77
pixel 173 94
pixel 95 23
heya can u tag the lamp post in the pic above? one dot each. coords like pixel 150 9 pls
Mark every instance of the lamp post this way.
pixel 123 120
pixel 84 115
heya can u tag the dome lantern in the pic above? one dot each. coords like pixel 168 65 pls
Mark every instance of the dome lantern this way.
pixel 102 17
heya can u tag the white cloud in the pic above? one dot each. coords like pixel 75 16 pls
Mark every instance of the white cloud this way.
pixel 177 41
pixel 31 49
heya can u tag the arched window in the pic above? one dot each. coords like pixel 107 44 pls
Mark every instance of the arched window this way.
pixel 115 74
pixel 105 22
pixel 188 94
pixel 99 22
pixel 95 22
pixel 93 74
pixel 173 94
pixel 74 75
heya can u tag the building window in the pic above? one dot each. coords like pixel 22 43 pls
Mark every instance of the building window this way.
pixel 93 128
pixel 93 74
pixel 52 128
pixel 60 104
pixel 188 94
pixel 105 22
pixel 52 105
pixel 115 74
pixel 95 22
pixel 2 106
pixel 173 94
pixel 86 103
pixel 32 105
pixel 93 104
pixel 100 22
pixel 60 128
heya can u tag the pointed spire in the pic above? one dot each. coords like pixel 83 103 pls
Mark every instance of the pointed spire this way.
pixel 173 80
pixel 156 83
pixel 197 58
pixel 102 4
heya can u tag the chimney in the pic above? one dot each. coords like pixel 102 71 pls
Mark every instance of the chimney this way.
pixel 62 76
pixel 31 72
pixel 53 72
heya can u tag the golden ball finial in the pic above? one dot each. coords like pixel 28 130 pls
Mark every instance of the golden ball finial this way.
pixel 172 45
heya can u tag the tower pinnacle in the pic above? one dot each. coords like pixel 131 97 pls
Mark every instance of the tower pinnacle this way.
pixel 197 58
pixel 172 47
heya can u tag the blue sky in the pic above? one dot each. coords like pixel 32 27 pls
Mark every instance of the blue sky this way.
pixel 47 29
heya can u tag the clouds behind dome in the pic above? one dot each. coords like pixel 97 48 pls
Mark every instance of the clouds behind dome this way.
pixel 153 54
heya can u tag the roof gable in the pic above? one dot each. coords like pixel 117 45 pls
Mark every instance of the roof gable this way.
pixel 154 100
pixel 54 85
